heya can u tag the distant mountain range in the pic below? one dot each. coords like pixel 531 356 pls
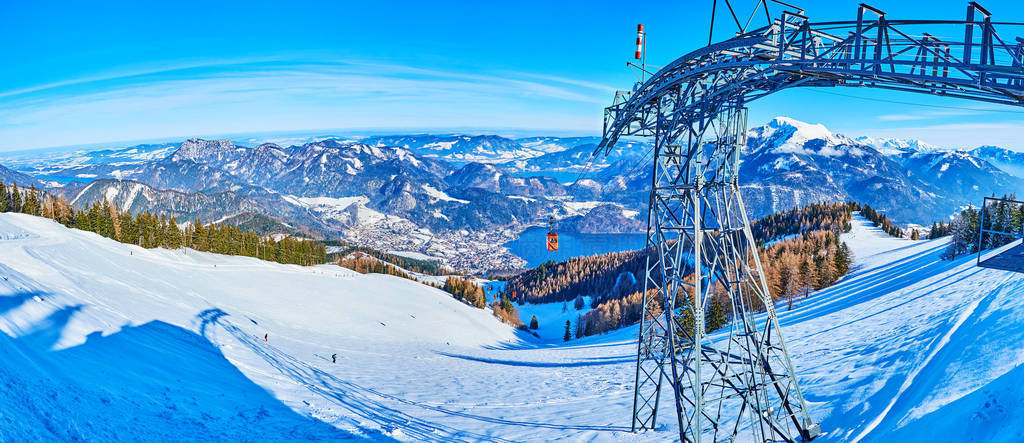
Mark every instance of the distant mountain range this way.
pixel 10 176
pixel 440 186
pixel 789 163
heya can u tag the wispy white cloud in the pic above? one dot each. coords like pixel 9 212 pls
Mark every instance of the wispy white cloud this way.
pixel 569 81
pixel 129 73
pixel 272 94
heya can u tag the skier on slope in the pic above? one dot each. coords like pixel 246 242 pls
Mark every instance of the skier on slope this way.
pixel 334 358
pixel 265 336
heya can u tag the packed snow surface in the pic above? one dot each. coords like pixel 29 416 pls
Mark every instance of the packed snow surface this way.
pixel 107 341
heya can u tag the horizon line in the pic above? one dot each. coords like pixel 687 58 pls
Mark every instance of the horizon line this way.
pixel 507 132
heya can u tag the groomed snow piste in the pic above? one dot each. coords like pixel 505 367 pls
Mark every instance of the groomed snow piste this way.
pixel 106 341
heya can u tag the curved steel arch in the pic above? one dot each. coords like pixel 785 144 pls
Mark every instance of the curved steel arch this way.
pixel 793 51
pixel 740 379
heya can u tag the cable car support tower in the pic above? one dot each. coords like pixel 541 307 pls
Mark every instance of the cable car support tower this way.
pixel 739 382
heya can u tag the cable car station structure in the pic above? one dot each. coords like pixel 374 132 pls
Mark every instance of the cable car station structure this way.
pixel 738 383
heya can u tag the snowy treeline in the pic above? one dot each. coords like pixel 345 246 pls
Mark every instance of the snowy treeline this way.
pixel 999 216
pixel 881 221
pixel 151 230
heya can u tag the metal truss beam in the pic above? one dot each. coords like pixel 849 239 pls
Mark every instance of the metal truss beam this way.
pixel 739 381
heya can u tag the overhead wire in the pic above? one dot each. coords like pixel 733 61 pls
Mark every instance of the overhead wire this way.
pixel 590 162
pixel 584 171
pixel 882 100
pixel 639 164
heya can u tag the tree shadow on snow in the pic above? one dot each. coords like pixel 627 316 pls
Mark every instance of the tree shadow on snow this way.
pixel 868 284
pixel 923 293
pixel 534 343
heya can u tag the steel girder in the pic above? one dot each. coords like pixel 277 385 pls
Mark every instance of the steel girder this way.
pixel 740 379
pixel 878 53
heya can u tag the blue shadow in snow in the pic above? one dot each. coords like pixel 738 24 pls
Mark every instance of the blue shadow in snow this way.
pixel 523 345
pixel 374 405
pixel 154 382
pixel 904 302
pixel 11 302
pixel 868 284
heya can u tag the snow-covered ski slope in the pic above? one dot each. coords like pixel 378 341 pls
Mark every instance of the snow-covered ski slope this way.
pixel 107 341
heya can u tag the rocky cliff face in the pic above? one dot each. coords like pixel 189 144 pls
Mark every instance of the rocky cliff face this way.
pixel 207 151
pixel 797 163
pixel 1006 160
pixel 788 163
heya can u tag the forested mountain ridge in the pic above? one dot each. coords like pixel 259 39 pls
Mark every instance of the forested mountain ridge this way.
pixel 149 230
pixel 800 251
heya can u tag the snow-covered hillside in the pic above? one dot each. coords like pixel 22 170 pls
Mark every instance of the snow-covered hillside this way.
pixel 910 347
pixel 104 341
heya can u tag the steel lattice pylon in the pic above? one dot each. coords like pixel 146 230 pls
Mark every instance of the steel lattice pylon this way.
pixel 739 382
pixel 743 373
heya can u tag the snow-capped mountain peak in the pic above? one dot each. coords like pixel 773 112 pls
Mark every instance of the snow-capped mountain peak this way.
pixel 784 135
pixel 199 150
pixel 896 146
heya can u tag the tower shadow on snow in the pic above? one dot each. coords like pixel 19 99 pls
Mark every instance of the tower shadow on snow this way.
pixel 13 301
pixel 154 381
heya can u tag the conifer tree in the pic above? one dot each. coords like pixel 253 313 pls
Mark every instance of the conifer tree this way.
pixel 843 259
pixel 807 271
pixel 568 334
pixel 964 232
pixel 3 197
pixel 578 302
pixel 32 205
pixel 15 199
pixel 687 325
pixel 714 315
pixel 939 229
pixel 533 322
pixel 823 270
pixel 115 221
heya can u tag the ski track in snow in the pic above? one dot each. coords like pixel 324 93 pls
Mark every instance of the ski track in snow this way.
pixel 106 341
pixel 917 371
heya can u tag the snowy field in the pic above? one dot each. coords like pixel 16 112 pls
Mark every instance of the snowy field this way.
pixel 106 341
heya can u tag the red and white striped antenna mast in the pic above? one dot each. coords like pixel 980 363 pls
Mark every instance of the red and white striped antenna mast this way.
pixel 639 41
pixel 641 51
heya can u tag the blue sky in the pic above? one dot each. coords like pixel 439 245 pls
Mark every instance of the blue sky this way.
pixel 84 73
